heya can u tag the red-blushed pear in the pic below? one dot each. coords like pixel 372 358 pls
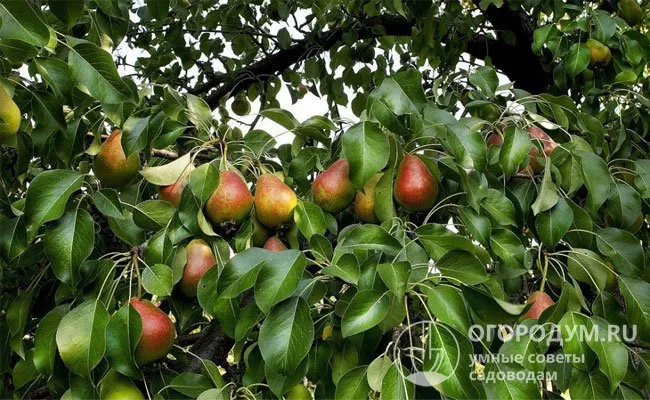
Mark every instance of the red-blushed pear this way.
pixel 364 202
pixel 111 166
pixel 274 201
pixel 172 193
pixel 540 301
pixel 415 187
pixel 231 201
pixel 158 332
pixel 275 245
pixel 199 260
pixel 537 135
pixel 332 189
pixel 115 386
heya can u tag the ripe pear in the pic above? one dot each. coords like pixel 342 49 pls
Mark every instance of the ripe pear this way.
pixel 115 386
pixel 415 187
pixel 111 166
pixel 230 201
pixel 158 332
pixel 298 392
pixel 548 145
pixel 172 193
pixel 540 301
pixel 275 245
pixel 9 116
pixel 274 201
pixel 600 54
pixel 332 189
pixel 199 260
pixel 364 202
pixel 630 11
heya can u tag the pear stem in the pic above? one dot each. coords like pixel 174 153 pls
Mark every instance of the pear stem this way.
pixel 135 266
pixel 544 271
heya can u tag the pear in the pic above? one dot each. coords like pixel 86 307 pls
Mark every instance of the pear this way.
pixel 298 392
pixel 111 166
pixel 172 193
pixel 332 189
pixel 630 11
pixel 364 201
pixel 274 201
pixel 260 234
pixel 600 54
pixel 231 201
pixel 415 187
pixel 241 106
pixel 9 116
pixel 158 332
pixel 199 260
pixel 275 245
pixel 115 386
pixel 540 301
pixel 548 144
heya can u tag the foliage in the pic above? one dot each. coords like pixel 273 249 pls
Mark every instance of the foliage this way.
pixel 462 84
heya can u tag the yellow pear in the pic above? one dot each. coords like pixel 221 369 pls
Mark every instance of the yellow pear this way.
pixel 9 116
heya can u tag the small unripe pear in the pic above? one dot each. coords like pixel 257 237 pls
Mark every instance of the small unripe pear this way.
pixel 158 332
pixel 364 202
pixel 540 301
pixel 274 201
pixel 415 187
pixel 630 11
pixel 332 189
pixel 241 106
pixel 230 201
pixel 199 260
pixel 275 245
pixel 112 167
pixel 600 54
pixel 115 386
pixel 9 116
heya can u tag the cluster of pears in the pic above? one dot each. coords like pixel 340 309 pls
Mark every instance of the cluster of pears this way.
pixel 537 135
pixel 415 189
pixel 9 116
pixel 112 167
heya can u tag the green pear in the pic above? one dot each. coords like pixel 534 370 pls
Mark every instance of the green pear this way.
pixel 112 167
pixel 115 386
pixel 9 116
pixel 332 189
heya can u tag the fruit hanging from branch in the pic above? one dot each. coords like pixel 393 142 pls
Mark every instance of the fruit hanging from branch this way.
pixel 332 189
pixel 112 167
pixel 231 201
pixel 274 201
pixel 199 260
pixel 364 201
pixel 158 332
pixel 415 187
pixel 9 116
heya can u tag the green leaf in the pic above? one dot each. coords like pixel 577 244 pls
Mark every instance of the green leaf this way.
pixel 547 196
pixel 395 386
pixel 158 279
pixel 281 117
pixel 20 22
pixel 604 24
pixel 572 344
pixel 499 207
pixel 586 266
pixel 47 195
pixel 462 266
pixel 611 353
pixel 447 305
pixel 345 267
pixel 543 35
pixel 68 243
pixel 204 180
pixel 553 224
pixel 577 59
pixel 13 238
pixel 153 215
pixel 636 293
pixel 108 203
pixel 278 278
pixel 366 310
pixel 403 93
pixel 122 337
pixel 588 385
pixel 94 72
pixel 486 79
pixel 489 309
pixel 240 272
pixel 366 148
pixel 169 173
pixel 464 141
pixel 199 113
pixel 286 335
pixel 310 219
pixel 623 248
pixel 377 370
pixel 353 385
pixel 81 337
pixel 512 389
pixel 508 247
pixel 259 141
pixel 68 11
pixel 158 9
pixel 438 240
pixel 479 226
pixel 597 179
pixel 45 341
pixel 515 148
pixel 190 384
pixel 395 276
pixel 17 315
